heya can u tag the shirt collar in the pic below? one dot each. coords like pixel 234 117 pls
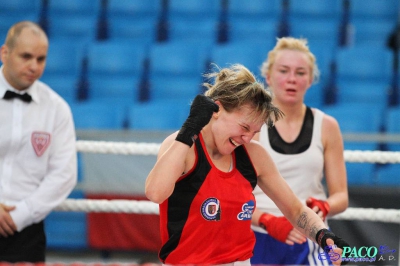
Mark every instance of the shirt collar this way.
pixel 32 90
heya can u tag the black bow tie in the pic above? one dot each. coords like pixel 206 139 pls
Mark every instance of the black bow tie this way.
pixel 24 97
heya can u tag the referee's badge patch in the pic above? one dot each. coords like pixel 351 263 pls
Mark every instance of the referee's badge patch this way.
pixel 40 142
pixel 211 209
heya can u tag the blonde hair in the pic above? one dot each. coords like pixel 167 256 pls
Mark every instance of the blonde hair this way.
pixel 290 43
pixel 236 86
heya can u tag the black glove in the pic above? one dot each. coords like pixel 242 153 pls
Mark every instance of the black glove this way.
pixel 323 234
pixel 200 114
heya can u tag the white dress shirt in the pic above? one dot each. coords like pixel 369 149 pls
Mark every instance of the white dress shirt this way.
pixel 38 168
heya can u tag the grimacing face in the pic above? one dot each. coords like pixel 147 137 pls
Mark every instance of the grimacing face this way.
pixel 25 62
pixel 235 128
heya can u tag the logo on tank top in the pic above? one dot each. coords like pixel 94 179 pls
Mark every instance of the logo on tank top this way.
pixel 247 211
pixel 210 209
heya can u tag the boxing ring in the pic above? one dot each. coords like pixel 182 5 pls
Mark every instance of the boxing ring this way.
pixel 111 213
pixel 147 207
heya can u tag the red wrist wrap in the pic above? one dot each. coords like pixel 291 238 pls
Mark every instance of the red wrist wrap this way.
pixel 277 227
pixel 322 205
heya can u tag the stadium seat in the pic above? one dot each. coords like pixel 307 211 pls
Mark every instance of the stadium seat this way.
pixel 250 29
pixel 73 19
pixel 357 118
pixel 166 114
pixel 388 175
pixel 176 69
pixel 361 173
pixel 193 10
pixel 193 32
pixel 314 96
pixel 249 54
pixel 134 20
pixel 315 9
pixel 356 91
pixel 98 115
pixel 254 9
pixel 371 9
pixel 366 66
pixel 393 126
pixel 321 32
pixel 63 65
pixel 67 230
pixel 114 69
pixel 372 32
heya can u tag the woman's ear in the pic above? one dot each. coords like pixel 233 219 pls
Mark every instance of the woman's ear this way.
pixel 216 114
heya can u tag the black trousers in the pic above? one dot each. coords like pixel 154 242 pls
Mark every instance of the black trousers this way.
pixel 29 245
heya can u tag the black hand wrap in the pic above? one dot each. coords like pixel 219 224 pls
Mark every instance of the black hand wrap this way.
pixel 201 111
pixel 323 234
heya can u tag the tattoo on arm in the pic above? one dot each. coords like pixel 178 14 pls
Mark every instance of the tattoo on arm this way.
pixel 303 222
pixel 313 232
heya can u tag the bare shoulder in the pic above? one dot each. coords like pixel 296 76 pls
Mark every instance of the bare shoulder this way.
pixel 257 152
pixel 330 124
pixel 167 142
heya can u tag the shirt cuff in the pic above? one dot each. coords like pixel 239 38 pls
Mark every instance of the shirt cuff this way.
pixel 21 216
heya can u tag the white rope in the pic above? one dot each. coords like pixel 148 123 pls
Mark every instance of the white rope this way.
pixel 148 207
pixel 135 148
pixel 114 206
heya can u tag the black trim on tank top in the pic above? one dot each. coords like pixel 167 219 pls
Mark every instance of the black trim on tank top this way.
pixel 301 143
pixel 184 193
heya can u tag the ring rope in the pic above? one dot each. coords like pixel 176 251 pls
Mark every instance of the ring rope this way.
pixel 136 148
pixel 148 207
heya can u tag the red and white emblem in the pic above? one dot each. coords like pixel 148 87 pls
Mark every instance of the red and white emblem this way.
pixel 40 142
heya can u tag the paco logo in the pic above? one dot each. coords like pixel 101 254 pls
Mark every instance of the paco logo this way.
pixel 362 254
pixel 247 211
pixel 211 210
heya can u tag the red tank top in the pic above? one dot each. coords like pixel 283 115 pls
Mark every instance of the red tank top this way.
pixel 207 218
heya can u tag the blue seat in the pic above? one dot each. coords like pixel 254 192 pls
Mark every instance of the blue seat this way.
pixel 318 31
pixel 67 230
pixel 73 19
pixel 365 65
pixel 250 29
pixel 357 118
pixel 159 114
pixel 364 62
pixel 63 65
pixel 63 85
pixel 371 9
pixel 249 54
pixel 360 173
pixel 193 10
pixel 203 33
pixel 20 6
pixel 115 68
pixel 176 69
pixel 133 19
pixel 99 114
pixel 174 87
pixel 358 91
pixel 388 175
pixel 372 32
pixel 316 9
pixel 137 30
pixel 314 96
pixel 254 9
pixel 120 88
pixel 393 126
